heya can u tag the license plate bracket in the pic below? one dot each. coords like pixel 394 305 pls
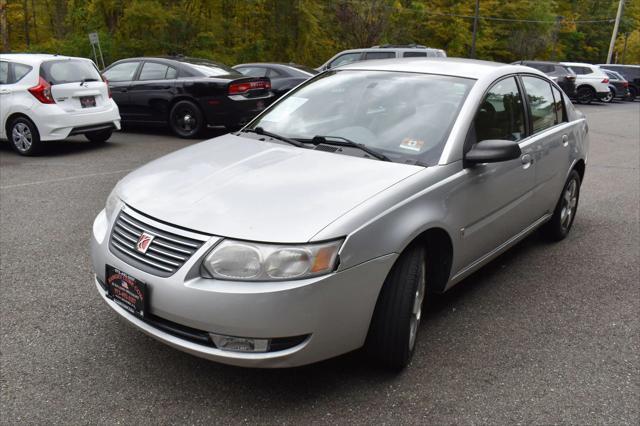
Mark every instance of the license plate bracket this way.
pixel 127 291
pixel 88 101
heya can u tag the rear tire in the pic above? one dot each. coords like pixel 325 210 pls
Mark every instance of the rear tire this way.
pixel 558 227
pixel 99 136
pixel 186 119
pixel 396 319
pixel 633 93
pixel 24 136
pixel 585 95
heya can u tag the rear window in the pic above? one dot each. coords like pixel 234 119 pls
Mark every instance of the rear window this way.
pixel 211 69
pixel 69 71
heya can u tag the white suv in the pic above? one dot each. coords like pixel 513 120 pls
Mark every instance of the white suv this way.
pixel 591 82
pixel 51 97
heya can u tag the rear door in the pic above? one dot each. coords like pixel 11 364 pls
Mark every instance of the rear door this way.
pixel 152 91
pixel 120 77
pixel 76 85
pixel 13 87
pixel 553 139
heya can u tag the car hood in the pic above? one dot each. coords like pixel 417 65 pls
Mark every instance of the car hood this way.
pixel 254 190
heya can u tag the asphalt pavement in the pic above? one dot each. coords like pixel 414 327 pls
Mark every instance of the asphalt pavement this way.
pixel 547 333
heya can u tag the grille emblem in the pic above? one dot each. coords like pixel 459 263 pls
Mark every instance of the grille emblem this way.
pixel 144 242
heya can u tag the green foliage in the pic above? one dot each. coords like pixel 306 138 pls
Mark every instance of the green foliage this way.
pixel 311 31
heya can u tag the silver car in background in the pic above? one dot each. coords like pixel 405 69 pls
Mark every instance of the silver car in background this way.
pixel 323 225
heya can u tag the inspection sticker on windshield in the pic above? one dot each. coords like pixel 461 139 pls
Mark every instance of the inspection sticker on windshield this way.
pixel 285 108
pixel 412 144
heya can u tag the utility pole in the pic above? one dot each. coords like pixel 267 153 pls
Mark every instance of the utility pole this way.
pixel 614 34
pixel 472 54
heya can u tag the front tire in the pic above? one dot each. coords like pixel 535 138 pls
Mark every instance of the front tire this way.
pixel 585 95
pixel 99 136
pixel 633 93
pixel 607 99
pixel 24 136
pixel 558 227
pixel 186 119
pixel 396 319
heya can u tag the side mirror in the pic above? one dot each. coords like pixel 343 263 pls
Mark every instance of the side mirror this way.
pixel 493 151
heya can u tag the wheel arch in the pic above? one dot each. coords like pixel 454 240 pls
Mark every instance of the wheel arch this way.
pixel 439 251
pixel 580 167
pixel 12 117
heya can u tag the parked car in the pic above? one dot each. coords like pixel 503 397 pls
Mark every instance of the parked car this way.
pixel 50 97
pixel 188 94
pixel 618 86
pixel 284 77
pixel 631 73
pixel 591 82
pixel 561 74
pixel 385 51
pixel 324 223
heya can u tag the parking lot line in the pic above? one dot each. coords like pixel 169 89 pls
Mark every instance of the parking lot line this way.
pixel 41 182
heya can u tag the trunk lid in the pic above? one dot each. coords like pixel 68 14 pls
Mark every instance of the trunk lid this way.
pixel 76 84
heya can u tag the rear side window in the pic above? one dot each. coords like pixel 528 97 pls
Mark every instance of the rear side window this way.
pixel 379 55
pixel 19 71
pixel 582 70
pixel 154 71
pixel 122 72
pixel 558 106
pixel 4 72
pixel 541 103
pixel 414 54
pixel 69 71
pixel 501 113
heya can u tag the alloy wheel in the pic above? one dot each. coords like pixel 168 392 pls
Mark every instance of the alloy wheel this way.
pixel 569 203
pixel 416 311
pixel 186 120
pixel 22 137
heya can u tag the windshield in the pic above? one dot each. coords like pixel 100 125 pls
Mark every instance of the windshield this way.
pixel 69 71
pixel 405 116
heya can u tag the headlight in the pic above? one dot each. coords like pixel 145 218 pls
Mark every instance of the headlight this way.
pixel 244 261
pixel 112 204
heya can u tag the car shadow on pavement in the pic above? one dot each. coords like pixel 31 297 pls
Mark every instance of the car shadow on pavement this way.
pixel 62 148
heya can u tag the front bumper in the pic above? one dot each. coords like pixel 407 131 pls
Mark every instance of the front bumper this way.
pixel 334 310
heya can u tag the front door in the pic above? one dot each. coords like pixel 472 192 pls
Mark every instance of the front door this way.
pixel 494 201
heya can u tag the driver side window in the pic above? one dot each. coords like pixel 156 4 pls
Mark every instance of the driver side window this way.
pixel 501 113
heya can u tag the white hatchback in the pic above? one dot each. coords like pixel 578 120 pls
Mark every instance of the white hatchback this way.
pixel 51 97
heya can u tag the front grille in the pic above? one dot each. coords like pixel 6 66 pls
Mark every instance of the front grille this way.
pixel 166 254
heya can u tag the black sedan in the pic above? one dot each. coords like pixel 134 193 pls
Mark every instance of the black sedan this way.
pixel 188 94
pixel 284 77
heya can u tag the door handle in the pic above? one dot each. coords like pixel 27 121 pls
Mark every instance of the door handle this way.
pixel 565 140
pixel 4 91
pixel 124 90
pixel 527 160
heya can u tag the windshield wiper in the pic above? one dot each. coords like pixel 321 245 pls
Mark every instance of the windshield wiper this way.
pixel 317 140
pixel 260 131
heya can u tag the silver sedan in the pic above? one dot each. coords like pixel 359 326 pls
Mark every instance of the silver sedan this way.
pixel 324 224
